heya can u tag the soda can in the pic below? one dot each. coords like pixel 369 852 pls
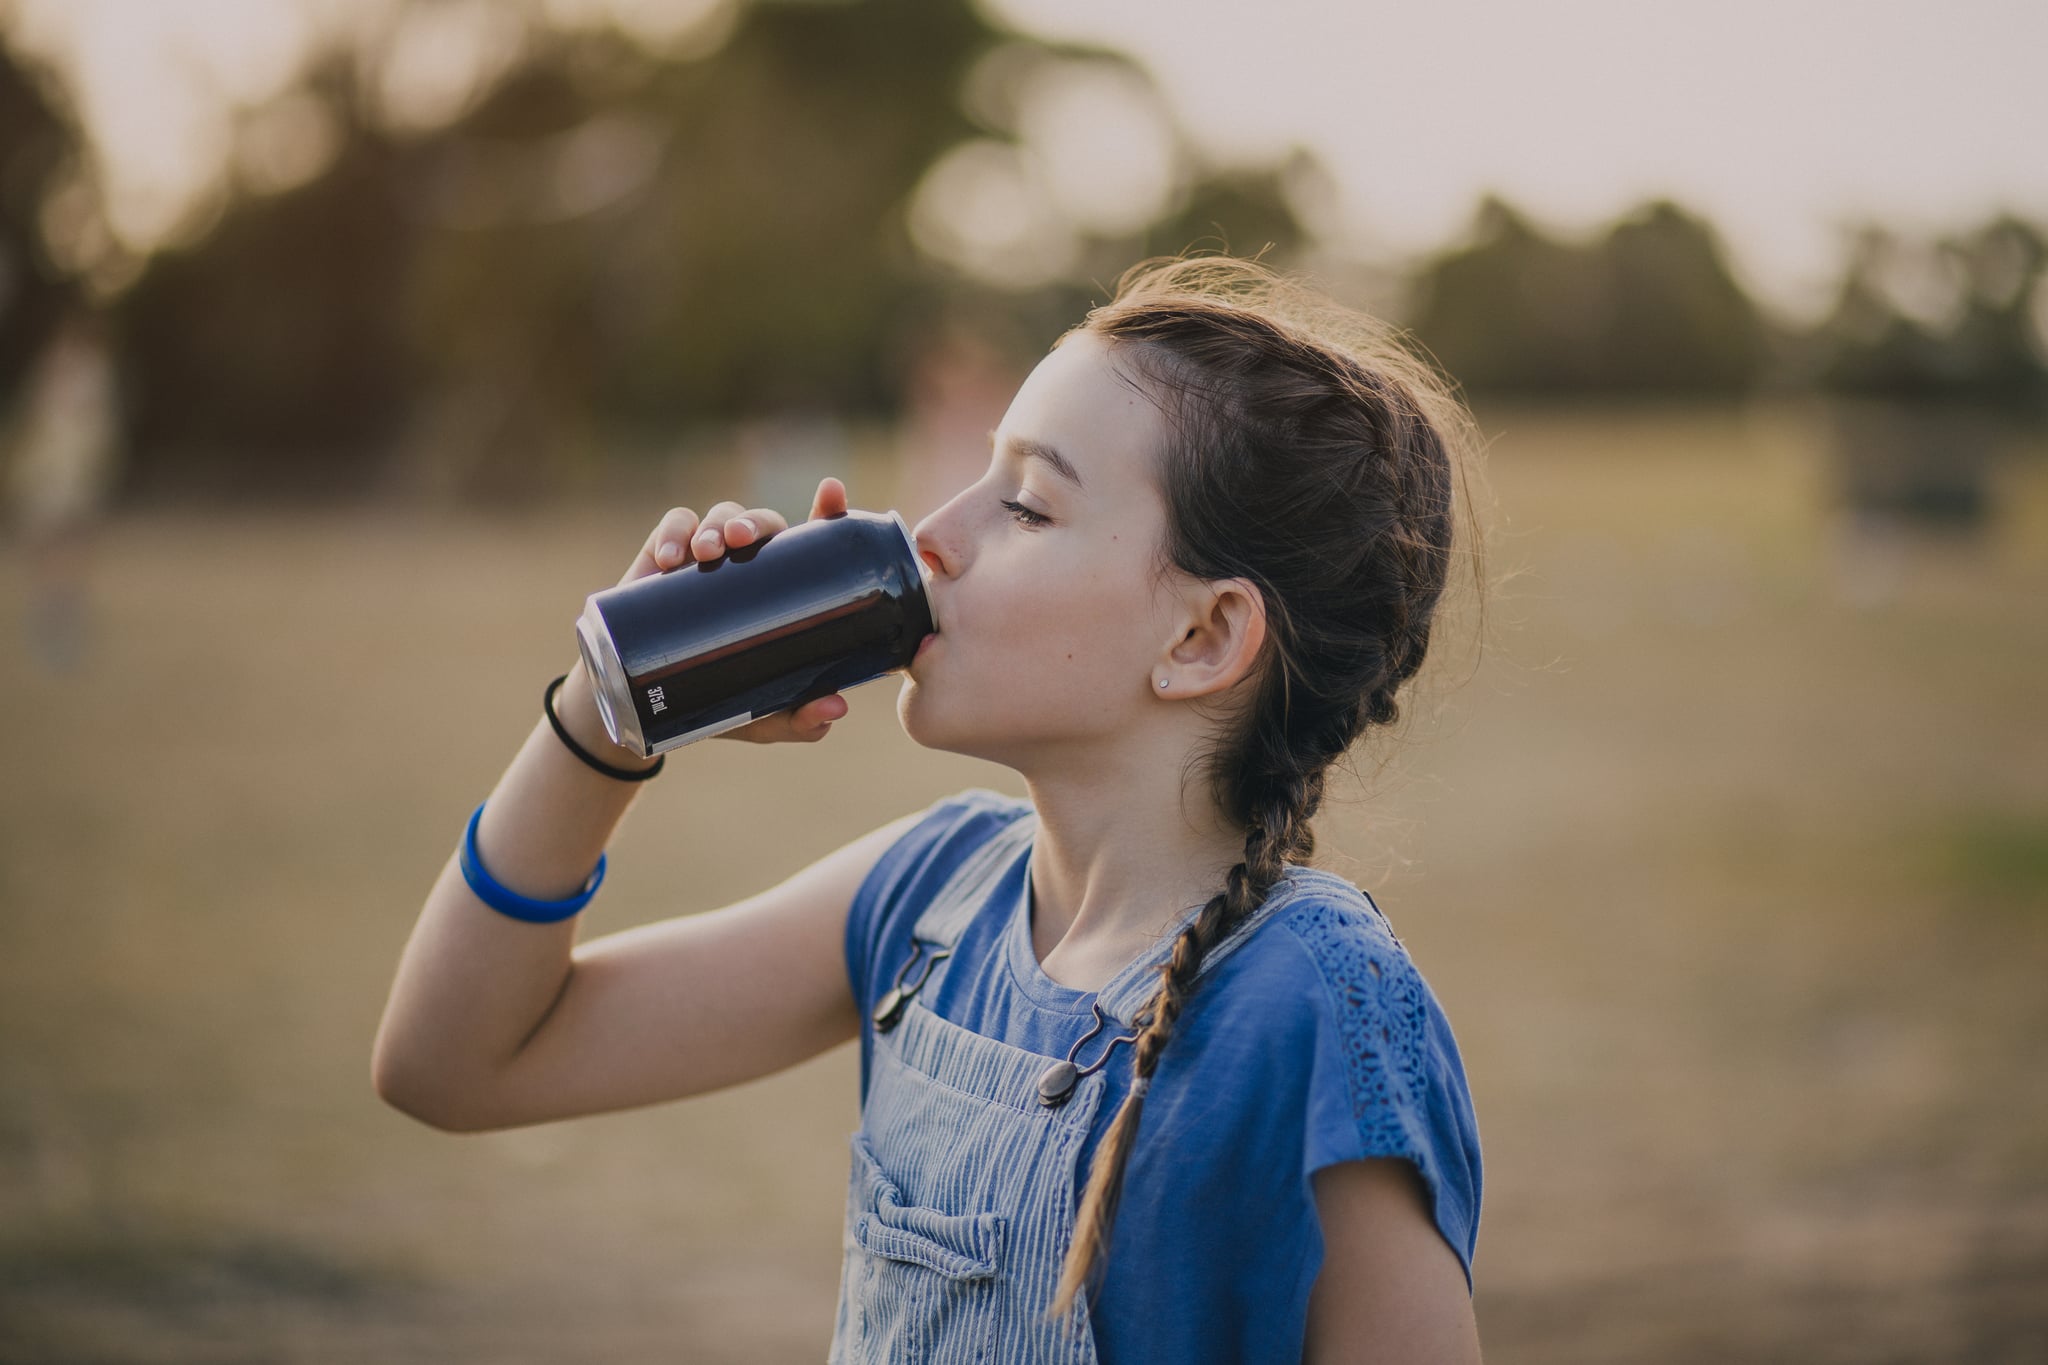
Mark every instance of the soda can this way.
pixel 682 655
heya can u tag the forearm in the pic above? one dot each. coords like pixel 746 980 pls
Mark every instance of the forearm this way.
pixel 473 984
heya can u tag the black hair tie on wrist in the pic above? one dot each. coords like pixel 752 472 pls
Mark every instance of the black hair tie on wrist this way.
pixel 547 704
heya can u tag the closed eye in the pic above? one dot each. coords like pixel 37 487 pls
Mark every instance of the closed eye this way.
pixel 1025 514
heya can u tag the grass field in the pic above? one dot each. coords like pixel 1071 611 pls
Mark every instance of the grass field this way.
pixel 1729 863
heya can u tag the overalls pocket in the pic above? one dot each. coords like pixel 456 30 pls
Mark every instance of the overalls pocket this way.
pixel 930 1276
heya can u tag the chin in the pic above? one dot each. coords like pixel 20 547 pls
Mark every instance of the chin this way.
pixel 923 720
pixel 913 713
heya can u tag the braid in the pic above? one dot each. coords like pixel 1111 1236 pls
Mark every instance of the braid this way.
pixel 1281 831
pixel 1420 492
pixel 1314 456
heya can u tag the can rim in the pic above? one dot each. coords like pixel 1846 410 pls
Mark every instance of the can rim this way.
pixel 608 680
pixel 918 566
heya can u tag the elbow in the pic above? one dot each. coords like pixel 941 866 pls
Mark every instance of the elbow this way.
pixel 418 1096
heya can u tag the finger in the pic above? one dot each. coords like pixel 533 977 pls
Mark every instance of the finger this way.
pixel 830 500
pixel 824 710
pixel 803 724
pixel 755 524
pixel 709 542
pixel 664 547
pixel 672 537
pixel 813 720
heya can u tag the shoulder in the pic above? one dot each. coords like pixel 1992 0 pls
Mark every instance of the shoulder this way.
pixel 1327 971
pixel 1388 1080
pixel 1330 958
pixel 1369 982
pixel 945 831
pixel 917 865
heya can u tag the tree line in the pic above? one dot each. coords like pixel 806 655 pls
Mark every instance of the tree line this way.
pixel 608 244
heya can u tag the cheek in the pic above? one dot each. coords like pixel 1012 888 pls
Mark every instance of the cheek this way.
pixel 1078 623
pixel 1055 651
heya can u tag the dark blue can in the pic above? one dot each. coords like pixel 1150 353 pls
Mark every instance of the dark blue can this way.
pixel 821 607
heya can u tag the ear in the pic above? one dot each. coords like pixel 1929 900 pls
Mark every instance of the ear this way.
pixel 1217 639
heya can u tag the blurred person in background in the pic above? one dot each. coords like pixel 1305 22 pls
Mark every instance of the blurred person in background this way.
pixel 64 460
pixel 1138 1084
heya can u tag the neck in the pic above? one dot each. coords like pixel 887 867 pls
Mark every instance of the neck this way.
pixel 1116 862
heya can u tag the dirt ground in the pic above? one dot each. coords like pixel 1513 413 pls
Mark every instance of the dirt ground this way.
pixel 1729 864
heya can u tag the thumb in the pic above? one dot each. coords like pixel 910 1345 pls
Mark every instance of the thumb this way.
pixel 830 501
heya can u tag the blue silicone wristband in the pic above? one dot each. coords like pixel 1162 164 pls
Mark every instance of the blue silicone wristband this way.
pixel 505 900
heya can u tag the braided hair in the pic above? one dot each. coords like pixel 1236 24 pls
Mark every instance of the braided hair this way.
pixel 1315 456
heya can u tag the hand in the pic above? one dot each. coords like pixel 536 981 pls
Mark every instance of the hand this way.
pixel 681 537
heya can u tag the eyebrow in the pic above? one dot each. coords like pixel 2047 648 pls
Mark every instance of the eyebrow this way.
pixel 1039 450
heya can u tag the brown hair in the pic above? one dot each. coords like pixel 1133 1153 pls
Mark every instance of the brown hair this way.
pixel 1315 456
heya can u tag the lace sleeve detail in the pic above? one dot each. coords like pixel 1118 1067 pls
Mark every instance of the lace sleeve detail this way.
pixel 1402 1074
pixel 1382 1017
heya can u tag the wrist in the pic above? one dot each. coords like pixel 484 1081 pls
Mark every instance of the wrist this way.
pixel 576 708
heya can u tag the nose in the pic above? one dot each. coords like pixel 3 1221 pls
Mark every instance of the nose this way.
pixel 924 537
pixel 932 567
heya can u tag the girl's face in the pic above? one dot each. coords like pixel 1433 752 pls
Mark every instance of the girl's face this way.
pixel 1051 633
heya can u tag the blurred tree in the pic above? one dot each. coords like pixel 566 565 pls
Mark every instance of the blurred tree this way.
pixel 272 352
pixel 611 239
pixel 1920 405
pixel 1650 308
pixel 1242 212
pixel 606 242
pixel 774 242
pixel 1681 323
pixel 608 233
pixel 1987 350
pixel 2004 326
pixel 39 138
pixel 1514 309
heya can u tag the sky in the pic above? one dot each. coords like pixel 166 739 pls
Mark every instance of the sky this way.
pixel 1784 121
pixel 1781 120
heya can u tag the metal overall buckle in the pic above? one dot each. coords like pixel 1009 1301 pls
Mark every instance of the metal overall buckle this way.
pixel 1056 1083
pixel 889 1010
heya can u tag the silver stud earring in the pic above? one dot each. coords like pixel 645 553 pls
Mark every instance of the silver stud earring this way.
pixel 1162 682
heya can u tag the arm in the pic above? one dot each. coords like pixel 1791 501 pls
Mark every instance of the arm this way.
pixel 1391 1289
pixel 494 1022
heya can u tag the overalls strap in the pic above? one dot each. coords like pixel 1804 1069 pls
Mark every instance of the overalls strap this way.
pixel 966 891
pixel 960 1201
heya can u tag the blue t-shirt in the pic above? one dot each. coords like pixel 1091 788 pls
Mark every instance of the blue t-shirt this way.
pixel 1316 1042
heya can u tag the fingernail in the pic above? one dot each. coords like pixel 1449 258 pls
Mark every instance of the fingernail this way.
pixel 669 550
pixel 747 522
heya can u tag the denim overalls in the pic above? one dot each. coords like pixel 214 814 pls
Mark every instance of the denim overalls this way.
pixel 961 1202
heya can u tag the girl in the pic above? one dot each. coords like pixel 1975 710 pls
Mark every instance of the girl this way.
pixel 1137 1083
